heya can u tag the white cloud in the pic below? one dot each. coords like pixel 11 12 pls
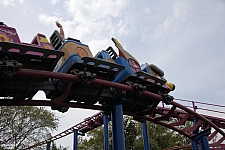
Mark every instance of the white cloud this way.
pixel 98 45
pixel 21 1
pixel 172 22
pixel 94 10
pixel 92 22
pixel 93 17
pixel 221 94
pixel 48 20
pixel 7 2
pixel 147 10
pixel 219 8
pixel 11 2
pixel 55 1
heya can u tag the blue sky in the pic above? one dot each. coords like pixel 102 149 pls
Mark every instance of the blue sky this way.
pixel 186 39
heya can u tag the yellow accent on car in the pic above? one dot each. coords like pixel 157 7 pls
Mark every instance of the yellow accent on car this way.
pixel 123 51
pixel 43 40
pixel 170 85
pixel 117 42
pixel 4 38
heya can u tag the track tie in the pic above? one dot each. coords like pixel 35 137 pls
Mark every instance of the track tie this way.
pixel 182 121
pixel 167 116
pixel 191 129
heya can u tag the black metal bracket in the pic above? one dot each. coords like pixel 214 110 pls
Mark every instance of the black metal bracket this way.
pixel 139 119
pixel 138 88
pixel 86 76
pixel 60 108
pixel 206 132
pixel 8 68
pixel 166 97
pixel 108 108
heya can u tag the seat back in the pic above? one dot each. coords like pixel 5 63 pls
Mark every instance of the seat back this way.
pixel 56 40
pixel 71 46
pixel 8 34
pixel 41 40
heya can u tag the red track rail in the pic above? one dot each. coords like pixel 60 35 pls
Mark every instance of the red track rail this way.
pixel 182 116
pixel 81 127
pixel 98 119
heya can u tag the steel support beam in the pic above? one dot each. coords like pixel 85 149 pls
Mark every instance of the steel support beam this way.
pixel 48 145
pixel 145 135
pixel 75 140
pixel 117 127
pixel 204 142
pixel 194 145
pixel 106 132
pixel 203 137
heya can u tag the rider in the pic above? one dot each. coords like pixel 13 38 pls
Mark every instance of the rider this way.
pixel 61 30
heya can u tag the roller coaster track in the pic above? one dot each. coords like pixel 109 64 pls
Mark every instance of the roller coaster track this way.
pixel 97 120
pixel 180 112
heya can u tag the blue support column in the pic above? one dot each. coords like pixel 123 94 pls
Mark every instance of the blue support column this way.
pixel 117 127
pixel 106 132
pixel 194 145
pixel 48 145
pixel 75 142
pixel 203 137
pixel 204 142
pixel 145 135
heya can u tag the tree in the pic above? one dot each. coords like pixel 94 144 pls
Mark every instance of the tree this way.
pixel 54 147
pixel 130 132
pixel 159 137
pixel 23 126
pixel 93 141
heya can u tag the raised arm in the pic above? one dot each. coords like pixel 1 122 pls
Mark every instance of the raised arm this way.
pixel 61 30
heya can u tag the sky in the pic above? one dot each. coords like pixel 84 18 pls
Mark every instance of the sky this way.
pixel 186 39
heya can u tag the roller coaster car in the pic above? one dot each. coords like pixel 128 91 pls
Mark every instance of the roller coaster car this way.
pixel 158 74
pixel 140 80
pixel 78 60
pixel 15 55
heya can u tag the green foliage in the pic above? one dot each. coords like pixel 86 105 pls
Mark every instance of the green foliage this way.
pixel 54 147
pixel 130 132
pixel 22 126
pixel 162 137
pixel 159 137
pixel 93 141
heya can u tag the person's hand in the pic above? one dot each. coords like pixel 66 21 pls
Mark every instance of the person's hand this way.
pixel 58 24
